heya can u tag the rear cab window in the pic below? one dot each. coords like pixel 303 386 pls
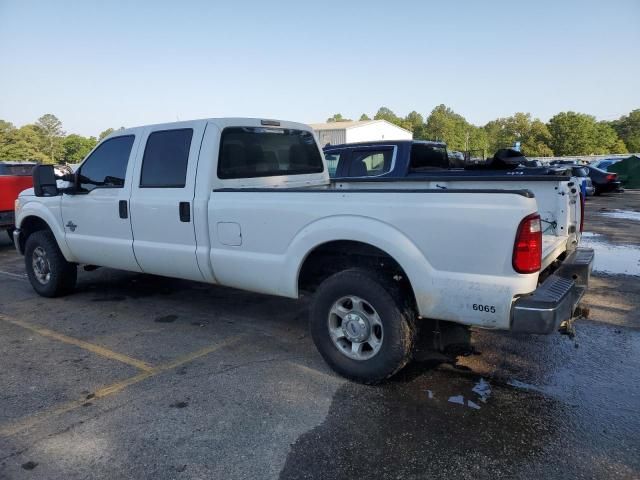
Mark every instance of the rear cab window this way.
pixel 249 152
pixel 428 157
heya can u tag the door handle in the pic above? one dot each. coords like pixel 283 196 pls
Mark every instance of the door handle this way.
pixel 185 211
pixel 122 209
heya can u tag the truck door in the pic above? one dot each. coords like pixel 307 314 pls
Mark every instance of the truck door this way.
pixel 96 218
pixel 162 201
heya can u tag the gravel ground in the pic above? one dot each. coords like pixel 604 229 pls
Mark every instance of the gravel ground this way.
pixel 135 376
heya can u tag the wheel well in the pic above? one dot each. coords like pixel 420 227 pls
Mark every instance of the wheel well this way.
pixel 30 225
pixel 333 257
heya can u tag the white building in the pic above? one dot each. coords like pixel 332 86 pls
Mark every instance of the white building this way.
pixel 336 133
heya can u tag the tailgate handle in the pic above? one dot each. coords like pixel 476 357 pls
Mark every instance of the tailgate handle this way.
pixel 185 212
pixel 122 209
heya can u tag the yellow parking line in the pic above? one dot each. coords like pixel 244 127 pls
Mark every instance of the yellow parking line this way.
pixel 97 349
pixel 112 389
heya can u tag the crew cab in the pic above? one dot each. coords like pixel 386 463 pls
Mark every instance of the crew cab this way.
pixel 14 177
pixel 248 203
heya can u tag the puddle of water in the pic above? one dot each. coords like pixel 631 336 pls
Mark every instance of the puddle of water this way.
pixel 482 389
pixel 610 258
pixel 624 214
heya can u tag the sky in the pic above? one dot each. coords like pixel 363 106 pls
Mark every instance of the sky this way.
pixel 108 64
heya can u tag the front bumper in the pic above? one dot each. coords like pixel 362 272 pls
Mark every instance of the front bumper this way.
pixel 7 219
pixel 556 299
pixel 17 241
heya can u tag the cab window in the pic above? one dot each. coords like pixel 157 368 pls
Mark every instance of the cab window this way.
pixel 248 152
pixel 106 167
pixel 165 160
pixel 333 159
pixel 370 163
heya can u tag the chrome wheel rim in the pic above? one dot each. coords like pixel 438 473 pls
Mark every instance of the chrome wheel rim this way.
pixel 41 266
pixel 355 328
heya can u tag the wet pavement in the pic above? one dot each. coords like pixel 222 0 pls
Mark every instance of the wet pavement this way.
pixel 136 376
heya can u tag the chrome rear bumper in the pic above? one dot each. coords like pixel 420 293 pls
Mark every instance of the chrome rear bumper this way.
pixel 556 299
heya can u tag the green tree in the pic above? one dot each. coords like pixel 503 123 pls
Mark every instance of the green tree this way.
pixel 445 125
pixel 579 134
pixel 387 114
pixel 606 140
pixel 414 121
pixel 105 133
pixel 76 147
pixel 532 134
pixel 51 131
pixel 5 128
pixel 24 143
pixel 628 129
pixel 572 133
pixel 5 131
pixel 364 117
pixel 338 118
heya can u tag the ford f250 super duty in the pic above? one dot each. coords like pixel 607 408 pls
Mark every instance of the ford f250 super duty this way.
pixel 248 203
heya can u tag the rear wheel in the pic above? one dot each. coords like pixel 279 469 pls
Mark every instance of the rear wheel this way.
pixel 49 272
pixel 362 325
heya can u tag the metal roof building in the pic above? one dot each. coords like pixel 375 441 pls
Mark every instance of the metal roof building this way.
pixel 336 133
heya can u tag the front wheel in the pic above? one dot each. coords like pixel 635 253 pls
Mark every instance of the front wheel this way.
pixel 362 325
pixel 49 272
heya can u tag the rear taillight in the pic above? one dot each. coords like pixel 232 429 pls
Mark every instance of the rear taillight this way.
pixel 583 204
pixel 527 249
pixel 611 177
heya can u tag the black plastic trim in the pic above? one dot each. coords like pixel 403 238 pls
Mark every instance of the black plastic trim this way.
pixel 184 209
pixel 123 209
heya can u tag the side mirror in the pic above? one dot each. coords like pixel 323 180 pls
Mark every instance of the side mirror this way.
pixel 44 181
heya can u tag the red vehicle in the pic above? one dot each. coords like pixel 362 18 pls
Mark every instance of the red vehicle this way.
pixel 14 178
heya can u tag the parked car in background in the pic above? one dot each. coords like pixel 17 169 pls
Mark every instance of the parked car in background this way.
pixel 605 163
pixel 456 159
pixel 604 181
pixel 581 172
pixel 421 159
pixel 562 162
pixel 14 177
pixel 532 163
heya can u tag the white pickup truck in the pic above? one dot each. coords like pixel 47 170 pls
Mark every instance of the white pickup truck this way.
pixel 248 203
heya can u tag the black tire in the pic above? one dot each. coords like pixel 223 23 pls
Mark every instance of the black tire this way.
pixel 10 233
pixel 394 311
pixel 63 275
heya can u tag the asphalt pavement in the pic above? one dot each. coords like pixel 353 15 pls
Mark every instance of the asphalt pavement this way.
pixel 135 376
